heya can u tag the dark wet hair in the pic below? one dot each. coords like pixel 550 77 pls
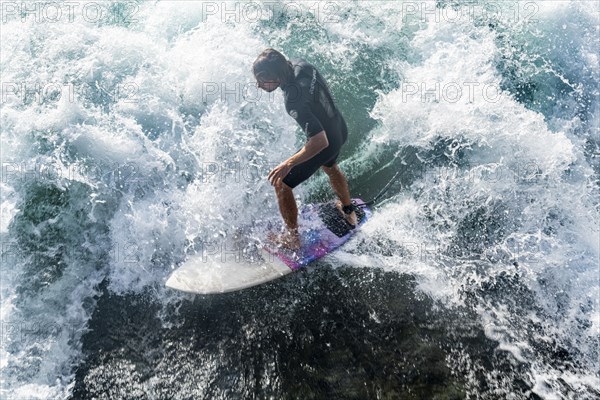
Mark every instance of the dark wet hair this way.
pixel 271 65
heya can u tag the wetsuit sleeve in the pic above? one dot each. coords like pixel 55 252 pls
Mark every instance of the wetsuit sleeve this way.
pixel 307 120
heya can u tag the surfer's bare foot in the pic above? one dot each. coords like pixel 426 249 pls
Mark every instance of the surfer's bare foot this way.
pixel 289 240
pixel 350 218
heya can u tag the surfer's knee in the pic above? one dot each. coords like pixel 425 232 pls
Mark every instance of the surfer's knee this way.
pixel 281 186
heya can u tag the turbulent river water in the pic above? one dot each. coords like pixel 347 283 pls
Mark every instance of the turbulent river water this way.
pixel 132 132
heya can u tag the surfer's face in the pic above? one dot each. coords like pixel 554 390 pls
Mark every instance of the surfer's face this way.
pixel 266 85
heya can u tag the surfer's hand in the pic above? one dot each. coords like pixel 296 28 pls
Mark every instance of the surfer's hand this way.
pixel 279 172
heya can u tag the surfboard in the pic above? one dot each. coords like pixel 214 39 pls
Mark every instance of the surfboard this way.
pixel 250 259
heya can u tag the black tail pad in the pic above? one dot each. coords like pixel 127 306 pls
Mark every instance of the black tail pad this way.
pixel 334 221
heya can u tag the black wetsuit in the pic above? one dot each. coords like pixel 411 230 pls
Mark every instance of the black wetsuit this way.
pixel 309 102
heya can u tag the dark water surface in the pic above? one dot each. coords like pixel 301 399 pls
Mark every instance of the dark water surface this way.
pixel 323 333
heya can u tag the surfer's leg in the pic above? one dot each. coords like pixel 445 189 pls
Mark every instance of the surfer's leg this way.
pixel 287 205
pixel 338 183
pixel 289 213
pixel 340 187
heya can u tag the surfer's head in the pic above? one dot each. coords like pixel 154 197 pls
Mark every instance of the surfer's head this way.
pixel 271 69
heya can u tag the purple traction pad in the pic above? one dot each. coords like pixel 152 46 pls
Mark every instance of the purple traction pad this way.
pixel 322 230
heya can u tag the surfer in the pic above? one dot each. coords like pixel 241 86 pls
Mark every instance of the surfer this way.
pixel 309 101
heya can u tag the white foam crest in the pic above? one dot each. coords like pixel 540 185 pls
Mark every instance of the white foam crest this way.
pixel 44 326
pixel 235 155
pixel 466 61
pixel 196 63
pixel 237 138
pixel 535 180
pixel 144 232
pixel 397 241
pixel 168 20
pixel 33 329
pixel 8 205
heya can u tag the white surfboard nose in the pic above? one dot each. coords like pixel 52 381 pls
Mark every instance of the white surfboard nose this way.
pixel 207 274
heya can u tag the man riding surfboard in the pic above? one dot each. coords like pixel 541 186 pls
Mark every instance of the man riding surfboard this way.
pixel 309 102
